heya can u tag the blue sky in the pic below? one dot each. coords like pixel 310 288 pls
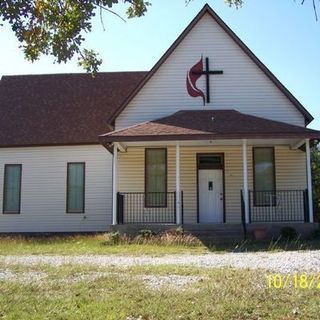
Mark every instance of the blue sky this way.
pixel 283 34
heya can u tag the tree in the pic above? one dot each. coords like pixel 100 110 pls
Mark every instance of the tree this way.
pixel 57 27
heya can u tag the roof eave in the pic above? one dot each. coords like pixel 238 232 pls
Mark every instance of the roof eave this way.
pixel 176 137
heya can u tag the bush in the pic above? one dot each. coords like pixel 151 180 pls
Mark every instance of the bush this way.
pixel 174 232
pixel 289 233
pixel 179 231
pixel 113 238
pixel 145 234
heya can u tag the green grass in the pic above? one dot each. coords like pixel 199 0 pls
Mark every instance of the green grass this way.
pixel 120 294
pixel 89 244
pixel 168 244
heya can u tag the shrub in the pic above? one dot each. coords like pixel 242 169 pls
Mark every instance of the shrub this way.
pixel 145 233
pixel 113 238
pixel 174 232
pixel 289 233
pixel 179 231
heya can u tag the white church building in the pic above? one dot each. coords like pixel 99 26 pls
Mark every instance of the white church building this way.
pixel 208 136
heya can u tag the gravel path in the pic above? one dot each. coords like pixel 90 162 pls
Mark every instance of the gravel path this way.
pixel 285 262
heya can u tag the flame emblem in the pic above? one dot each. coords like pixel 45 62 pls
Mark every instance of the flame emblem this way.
pixel 192 76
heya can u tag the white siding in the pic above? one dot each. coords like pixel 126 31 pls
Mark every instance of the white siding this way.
pixel 243 86
pixel 43 198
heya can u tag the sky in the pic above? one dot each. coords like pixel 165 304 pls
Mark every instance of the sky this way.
pixel 283 34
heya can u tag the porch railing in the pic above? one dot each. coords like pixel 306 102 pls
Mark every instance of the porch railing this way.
pixel 278 206
pixel 147 208
pixel 243 216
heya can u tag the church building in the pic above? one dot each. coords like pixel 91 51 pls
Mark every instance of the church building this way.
pixel 209 136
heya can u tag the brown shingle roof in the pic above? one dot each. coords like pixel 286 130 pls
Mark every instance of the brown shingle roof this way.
pixel 61 108
pixel 209 125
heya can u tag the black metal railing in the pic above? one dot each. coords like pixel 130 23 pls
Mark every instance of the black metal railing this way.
pixel 243 217
pixel 147 208
pixel 278 206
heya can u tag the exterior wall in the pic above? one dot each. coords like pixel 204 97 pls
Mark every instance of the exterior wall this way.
pixel 243 86
pixel 290 174
pixel 43 191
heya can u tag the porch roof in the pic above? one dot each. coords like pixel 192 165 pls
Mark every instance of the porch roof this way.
pixel 208 125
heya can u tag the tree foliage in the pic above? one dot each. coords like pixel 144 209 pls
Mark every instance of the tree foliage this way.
pixel 58 27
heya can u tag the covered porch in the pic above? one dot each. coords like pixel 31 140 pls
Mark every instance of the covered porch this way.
pixel 185 174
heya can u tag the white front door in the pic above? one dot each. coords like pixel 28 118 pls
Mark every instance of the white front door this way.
pixel 210 196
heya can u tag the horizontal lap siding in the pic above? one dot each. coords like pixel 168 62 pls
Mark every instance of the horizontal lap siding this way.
pixel 290 171
pixel 243 86
pixel 290 168
pixel 43 198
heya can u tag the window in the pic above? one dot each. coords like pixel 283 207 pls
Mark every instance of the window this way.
pixel 156 177
pixel 12 188
pixel 75 187
pixel 210 161
pixel 264 176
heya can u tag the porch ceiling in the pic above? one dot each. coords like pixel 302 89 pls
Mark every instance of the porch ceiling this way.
pixel 210 125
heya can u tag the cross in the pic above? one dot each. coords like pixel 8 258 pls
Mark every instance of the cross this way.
pixel 207 72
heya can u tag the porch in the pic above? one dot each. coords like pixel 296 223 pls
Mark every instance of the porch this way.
pixel 210 168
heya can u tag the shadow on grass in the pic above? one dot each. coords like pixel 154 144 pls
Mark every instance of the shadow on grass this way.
pixel 251 245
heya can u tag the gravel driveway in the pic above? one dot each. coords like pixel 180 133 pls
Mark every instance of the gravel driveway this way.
pixel 285 262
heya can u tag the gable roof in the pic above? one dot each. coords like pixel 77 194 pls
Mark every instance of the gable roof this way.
pixel 207 9
pixel 61 108
pixel 208 125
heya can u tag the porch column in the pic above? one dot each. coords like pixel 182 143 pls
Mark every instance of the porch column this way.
pixel 114 183
pixel 245 179
pixel 178 188
pixel 309 180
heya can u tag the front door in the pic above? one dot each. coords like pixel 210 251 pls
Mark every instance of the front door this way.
pixel 210 193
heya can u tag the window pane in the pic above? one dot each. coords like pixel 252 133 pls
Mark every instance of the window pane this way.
pixel 75 193
pixel 156 169
pixel 213 160
pixel 264 175
pixel 210 162
pixel 12 186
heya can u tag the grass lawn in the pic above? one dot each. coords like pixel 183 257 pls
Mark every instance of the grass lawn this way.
pixel 88 244
pixel 71 292
pixel 99 244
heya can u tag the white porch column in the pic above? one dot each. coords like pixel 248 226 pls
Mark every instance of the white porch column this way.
pixel 309 180
pixel 245 179
pixel 114 183
pixel 178 188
